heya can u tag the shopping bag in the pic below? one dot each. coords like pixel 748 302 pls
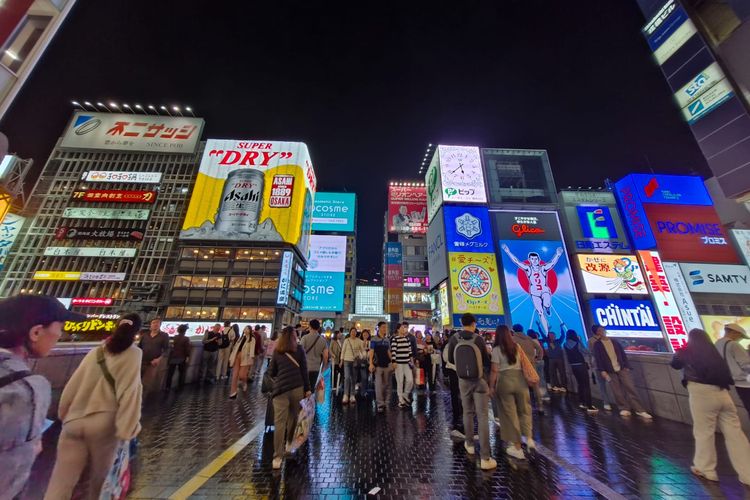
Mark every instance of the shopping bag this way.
pixel 529 372
pixel 320 390
pixel 117 483
pixel 420 376
pixel 305 420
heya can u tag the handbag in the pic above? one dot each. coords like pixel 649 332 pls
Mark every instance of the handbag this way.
pixel 529 372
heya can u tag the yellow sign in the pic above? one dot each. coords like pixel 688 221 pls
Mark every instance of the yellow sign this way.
pixel 714 325
pixel 90 325
pixel 57 276
pixel 445 315
pixel 252 191
pixel 474 283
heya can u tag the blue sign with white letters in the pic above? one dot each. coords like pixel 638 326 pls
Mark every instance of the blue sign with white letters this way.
pixel 324 291
pixel 626 318
pixel 467 229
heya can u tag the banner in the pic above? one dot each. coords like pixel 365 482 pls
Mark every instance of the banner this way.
pixel 107 213
pixel 445 315
pixel 626 318
pixel 717 278
pixel 285 278
pixel 434 187
pixel 665 302
pixel 685 304
pixel 198 328
pixel 124 253
pixel 91 301
pixel 612 274
pixel 125 177
pixel 9 230
pixel 99 233
pixel 252 191
pixel 77 276
pixel 324 279
pixel 394 278
pixel 334 212
pixel 407 209
pixel 475 288
pixel 114 196
pixel 160 134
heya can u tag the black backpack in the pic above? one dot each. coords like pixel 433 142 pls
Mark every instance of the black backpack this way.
pixel 224 340
pixel 468 358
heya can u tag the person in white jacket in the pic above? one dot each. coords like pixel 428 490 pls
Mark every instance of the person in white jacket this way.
pixel 737 359
pixel 241 358
pixel 99 407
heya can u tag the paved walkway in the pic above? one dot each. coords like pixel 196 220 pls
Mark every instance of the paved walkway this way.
pixel 405 453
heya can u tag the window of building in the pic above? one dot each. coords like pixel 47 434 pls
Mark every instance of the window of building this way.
pixel 182 281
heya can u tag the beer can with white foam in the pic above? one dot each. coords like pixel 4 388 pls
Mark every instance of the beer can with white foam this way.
pixel 241 202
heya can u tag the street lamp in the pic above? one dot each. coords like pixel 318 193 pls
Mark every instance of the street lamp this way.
pixel 101 104
pixel 164 108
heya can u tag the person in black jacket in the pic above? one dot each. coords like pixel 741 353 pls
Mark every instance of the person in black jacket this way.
pixel 576 355
pixel 708 379
pixel 291 383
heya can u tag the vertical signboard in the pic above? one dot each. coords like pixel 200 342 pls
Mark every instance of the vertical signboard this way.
pixel 324 279
pixel 394 277
pixel 434 186
pixel 681 294
pixel 537 273
pixel 445 315
pixel 285 277
pixel 437 260
pixel 9 230
pixel 407 209
pixel 664 299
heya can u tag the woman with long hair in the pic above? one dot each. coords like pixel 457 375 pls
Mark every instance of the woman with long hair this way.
pixel 708 379
pixel 508 384
pixel 364 375
pixel 291 383
pixel 336 370
pixel 271 346
pixel 99 407
pixel 351 351
pixel 241 359
pixel 429 367
pixel 576 355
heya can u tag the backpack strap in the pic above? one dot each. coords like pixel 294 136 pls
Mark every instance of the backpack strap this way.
pixel 307 351
pixel 13 376
pixel 103 366
pixel 291 358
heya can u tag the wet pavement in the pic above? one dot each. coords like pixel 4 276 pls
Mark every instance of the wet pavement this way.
pixel 406 453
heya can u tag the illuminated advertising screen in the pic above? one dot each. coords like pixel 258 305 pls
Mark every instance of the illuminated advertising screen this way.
pixel 107 213
pixel 324 279
pixel 407 209
pixel 9 230
pixel 716 278
pixel 682 295
pixel 437 259
pixel 369 300
pixel 689 233
pixel 123 253
pixel 742 241
pixel 664 299
pixel 594 224
pixel 612 274
pixel 113 196
pixel 285 278
pixel 158 134
pixel 461 175
pixel 714 325
pixel 252 191
pixel 394 277
pixel 445 315
pixel 334 212
pixel 626 318
pixel 670 189
pixel 475 288
pixel 434 187
pixel 91 301
pixel 668 30
pixel 99 233
pixel 537 274
pixel 199 328
pixel 117 176
pixel 467 229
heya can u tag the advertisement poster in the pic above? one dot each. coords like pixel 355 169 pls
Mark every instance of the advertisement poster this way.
pixel 461 174
pixel 437 259
pixel 252 191
pixel 9 230
pixel 612 274
pixel 681 294
pixel 334 212
pixel 664 299
pixel 475 288
pixel 467 229
pixel 407 209
pixel 594 224
pixel 434 187
pixel 671 189
pixel 394 277
pixel 742 240
pixel 198 328
pixel 714 325
pixel 716 278
pixel 445 315
pixel 626 318
pixel 324 279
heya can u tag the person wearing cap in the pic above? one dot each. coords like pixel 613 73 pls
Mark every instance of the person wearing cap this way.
pixel 738 360
pixel 30 326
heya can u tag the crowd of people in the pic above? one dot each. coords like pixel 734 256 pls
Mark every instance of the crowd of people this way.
pixel 509 372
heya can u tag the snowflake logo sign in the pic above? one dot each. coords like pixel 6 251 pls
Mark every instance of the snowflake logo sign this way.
pixel 468 226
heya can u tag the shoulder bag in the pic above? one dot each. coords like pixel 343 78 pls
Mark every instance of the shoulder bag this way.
pixel 529 372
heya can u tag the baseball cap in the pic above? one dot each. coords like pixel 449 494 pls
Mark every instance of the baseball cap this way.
pixel 736 328
pixel 20 312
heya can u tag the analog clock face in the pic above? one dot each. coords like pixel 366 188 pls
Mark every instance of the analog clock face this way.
pixel 461 167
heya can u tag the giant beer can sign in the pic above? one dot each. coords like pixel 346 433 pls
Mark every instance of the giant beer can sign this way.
pixel 252 191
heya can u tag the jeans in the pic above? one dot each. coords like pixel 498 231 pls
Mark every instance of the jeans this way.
pixel 457 408
pixel 364 380
pixel 170 374
pixel 428 369
pixel 581 373
pixel 349 378
pixel 475 398
pixel 603 388
pixel 540 390
pixel 557 372
pixel 336 375
pixel 404 382
pixel 313 377
pixel 381 386
pixel 285 410
pixel 208 365
pixel 624 391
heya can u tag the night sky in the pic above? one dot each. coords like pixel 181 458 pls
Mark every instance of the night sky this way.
pixel 367 90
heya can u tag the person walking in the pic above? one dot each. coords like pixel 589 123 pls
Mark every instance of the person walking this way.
pixel 457 409
pixel 467 351
pixel 99 407
pixel 428 365
pixel 241 359
pixel 535 353
pixel 30 326
pixel 402 359
pixel 179 357
pixel 737 359
pixel 380 365
pixel 316 351
pixel 154 344
pixel 260 349
pixel 556 364
pixel 210 354
pixel 226 339
pixel 364 372
pixel 270 346
pixel 509 386
pixel 258 336
pixel 615 369
pixel 336 371
pixel 708 379
pixel 352 352
pixel 604 388
pixel 576 354
pixel 291 383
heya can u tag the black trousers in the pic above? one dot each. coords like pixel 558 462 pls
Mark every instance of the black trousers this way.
pixel 181 377
pixel 457 408
pixel 313 378
pixel 336 374
pixel 581 373
pixel 428 368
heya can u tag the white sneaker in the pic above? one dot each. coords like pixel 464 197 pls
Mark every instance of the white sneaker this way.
pixel 608 407
pixel 488 463
pixel 625 413
pixel 455 433
pixel 530 444
pixel 276 463
pixel 345 399
pixel 515 452
pixel 562 389
pixel 644 414
pixel 469 448
pixel 497 421
pixel 288 447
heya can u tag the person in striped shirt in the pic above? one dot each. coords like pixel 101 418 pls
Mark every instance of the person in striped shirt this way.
pixel 402 357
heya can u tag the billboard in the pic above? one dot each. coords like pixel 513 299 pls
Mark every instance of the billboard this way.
pixel 334 212
pixel 369 300
pixel 467 229
pixel 690 234
pixel 324 279
pixel 742 239
pixel 9 230
pixel 107 213
pixel 714 326
pixel 537 274
pixel 394 277
pixel 664 299
pixel 92 301
pixel 434 186
pixel 612 274
pixel 437 259
pixel 77 276
pixel 445 315
pixel 461 174
pixel 117 176
pixel 593 221
pixel 407 209
pixel 626 318
pixel 99 233
pixel 252 191
pixel 114 196
pixel 198 328
pixel 681 294
pixel 158 134
pixel 285 278
pixel 716 278
pixel 123 253
pixel 475 288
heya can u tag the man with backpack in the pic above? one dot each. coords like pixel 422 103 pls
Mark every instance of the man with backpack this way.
pixel 468 352
pixel 226 339
pixel 316 352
